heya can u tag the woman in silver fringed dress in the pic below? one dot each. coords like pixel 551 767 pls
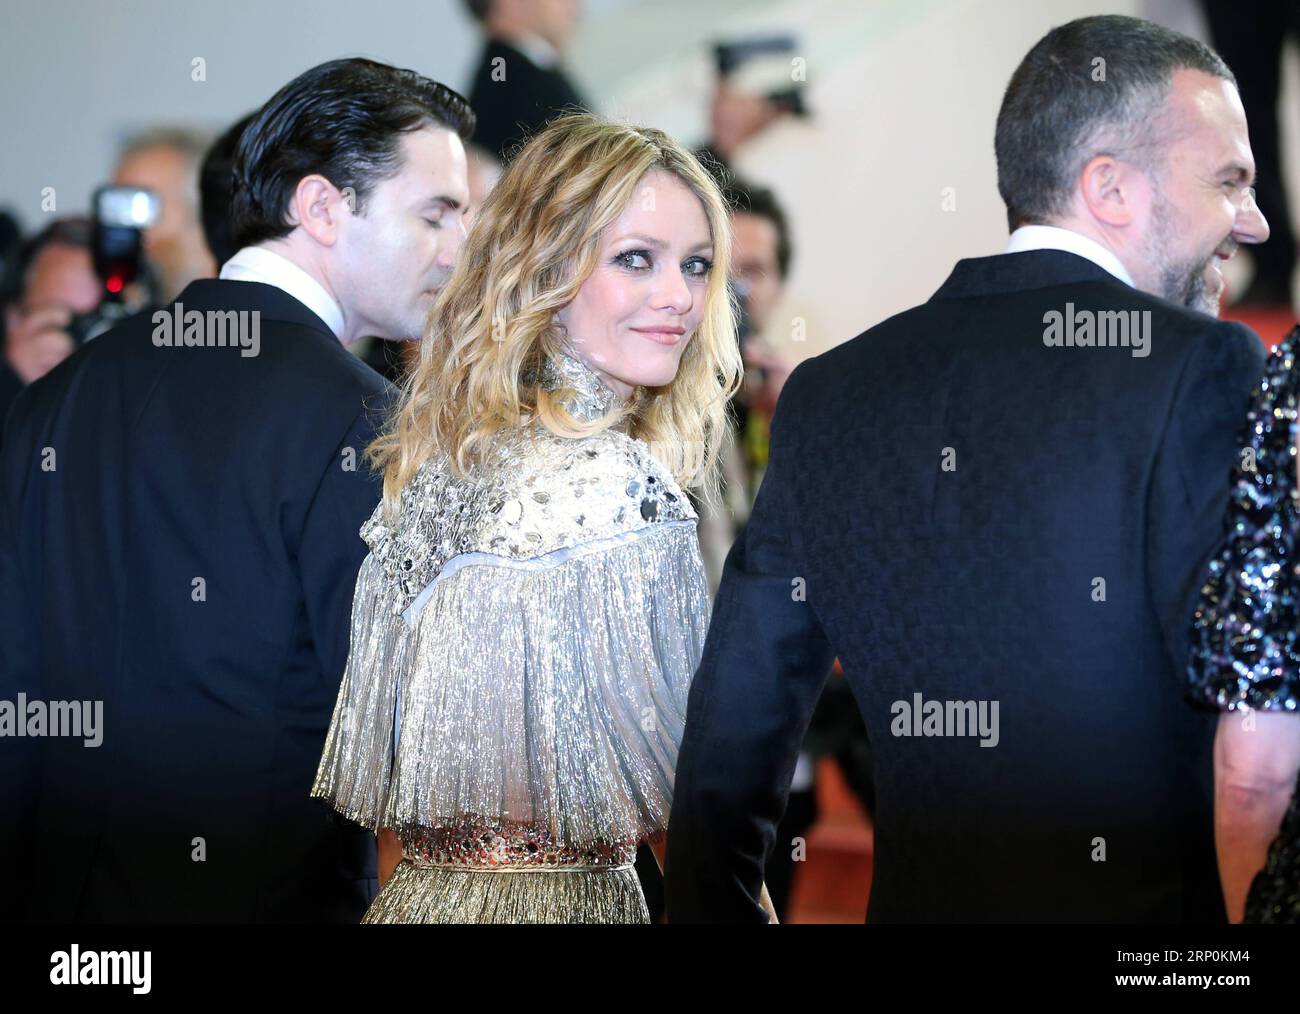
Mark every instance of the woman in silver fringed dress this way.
pixel 533 607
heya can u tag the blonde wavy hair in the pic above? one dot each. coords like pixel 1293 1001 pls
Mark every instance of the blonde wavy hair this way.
pixel 535 241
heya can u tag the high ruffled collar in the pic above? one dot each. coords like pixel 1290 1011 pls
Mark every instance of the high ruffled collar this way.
pixel 591 399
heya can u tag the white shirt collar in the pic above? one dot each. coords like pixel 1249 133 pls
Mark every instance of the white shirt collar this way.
pixel 1052 237
pixel 258 264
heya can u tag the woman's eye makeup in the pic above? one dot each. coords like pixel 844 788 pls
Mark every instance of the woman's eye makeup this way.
pixel 629 258
pixel 641 260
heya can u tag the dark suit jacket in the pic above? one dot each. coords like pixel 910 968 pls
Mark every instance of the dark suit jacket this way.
pixel 980 582
pixel 174 465
pixel 513 108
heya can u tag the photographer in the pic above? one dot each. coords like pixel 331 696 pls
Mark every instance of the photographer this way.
pixel 56 282
pixel 166 161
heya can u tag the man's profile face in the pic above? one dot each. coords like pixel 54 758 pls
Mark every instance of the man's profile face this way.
pixel 395 254
pixel 1202 202
pixel 60 283
pixel 754 265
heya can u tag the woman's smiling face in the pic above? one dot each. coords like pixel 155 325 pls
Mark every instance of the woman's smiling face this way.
pixel 632 318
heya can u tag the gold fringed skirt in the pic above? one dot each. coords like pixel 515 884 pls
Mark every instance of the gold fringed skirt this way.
pixel 442 894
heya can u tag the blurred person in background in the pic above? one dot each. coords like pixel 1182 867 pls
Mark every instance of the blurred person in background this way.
pixel 166 161
pixel 760 267
pixel 55 280
pixel 519 83
pixel 762 253
pixel 753 87
pixel 761 231
pixel 735 116
pixel 484 172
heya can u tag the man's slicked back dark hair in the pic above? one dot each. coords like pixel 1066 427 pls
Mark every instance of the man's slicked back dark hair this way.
pixel 1093 86
pixel 342 120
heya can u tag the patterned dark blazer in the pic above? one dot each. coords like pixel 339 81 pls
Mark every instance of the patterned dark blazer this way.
pixel 1002 537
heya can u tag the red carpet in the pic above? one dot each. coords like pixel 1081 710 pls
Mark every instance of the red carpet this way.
pixel 832 884
pixel 1271 325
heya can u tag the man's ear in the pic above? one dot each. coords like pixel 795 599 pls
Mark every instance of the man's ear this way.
pixel 318 206
pixel 1107 187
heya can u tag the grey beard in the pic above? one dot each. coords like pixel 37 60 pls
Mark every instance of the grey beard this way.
pixel 1182 283
pixel 1185 284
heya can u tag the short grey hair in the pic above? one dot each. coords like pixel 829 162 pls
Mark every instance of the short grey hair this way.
pixel 1093 86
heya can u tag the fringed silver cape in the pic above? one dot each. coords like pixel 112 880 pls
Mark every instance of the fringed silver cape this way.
pixel 522 645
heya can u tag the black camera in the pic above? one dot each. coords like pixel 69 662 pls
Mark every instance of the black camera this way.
pixel 121 214
pixel 762 66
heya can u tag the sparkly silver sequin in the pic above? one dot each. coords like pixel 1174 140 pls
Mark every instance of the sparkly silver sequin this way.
pixel 495 844
pixel 1246 630
pixel 522 645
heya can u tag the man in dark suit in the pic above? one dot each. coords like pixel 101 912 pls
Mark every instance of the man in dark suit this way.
pixel 995 509
pixel 519 84
pixel 179 530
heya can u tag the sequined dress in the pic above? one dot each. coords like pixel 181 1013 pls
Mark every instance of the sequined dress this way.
pixel 1246 630
pixel 522 644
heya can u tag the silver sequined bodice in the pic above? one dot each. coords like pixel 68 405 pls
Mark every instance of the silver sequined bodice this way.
pixel 545 493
